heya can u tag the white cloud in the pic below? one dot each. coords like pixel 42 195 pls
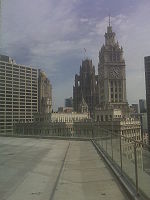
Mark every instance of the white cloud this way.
pixel 83 20
pixel 47 31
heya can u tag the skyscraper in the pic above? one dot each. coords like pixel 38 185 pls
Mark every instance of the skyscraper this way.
pixel 111 74
pixel 20 96
pixel 147 81
pixel 86 86
pixel 142 105
pixel 69 102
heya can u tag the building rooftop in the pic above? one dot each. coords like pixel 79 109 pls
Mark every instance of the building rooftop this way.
pixel 44 169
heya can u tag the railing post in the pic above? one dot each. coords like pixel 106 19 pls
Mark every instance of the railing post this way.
pixel 111 147
pixel 136 169
pixel 112 140
pixel 120 154
pixel 106 144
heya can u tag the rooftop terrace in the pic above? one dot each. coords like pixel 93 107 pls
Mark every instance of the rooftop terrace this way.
pixel 44 169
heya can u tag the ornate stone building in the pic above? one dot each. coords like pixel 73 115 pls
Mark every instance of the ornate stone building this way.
pixel 111 74
pixel 45 93
pixel 113 112
pixel 86 86
pixel 56 124
pixel 69 117
pixel 83 107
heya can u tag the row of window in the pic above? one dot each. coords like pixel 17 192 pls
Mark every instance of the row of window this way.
pixel 17 67
pixel 17 80
pixel 115 89
pixel 17 103
pixel 116 96
pixel 104 118
pixel 27 91
pixel 17 73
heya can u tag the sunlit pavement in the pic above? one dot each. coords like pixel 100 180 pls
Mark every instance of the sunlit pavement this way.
pixel 43 169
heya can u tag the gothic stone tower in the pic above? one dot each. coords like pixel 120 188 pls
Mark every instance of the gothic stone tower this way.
pixel 111 74
pixel 86 86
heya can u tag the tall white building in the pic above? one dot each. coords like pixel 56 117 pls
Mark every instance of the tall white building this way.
pixel 19 94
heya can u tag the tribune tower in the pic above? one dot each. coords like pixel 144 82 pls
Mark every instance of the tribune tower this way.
pixel 111 74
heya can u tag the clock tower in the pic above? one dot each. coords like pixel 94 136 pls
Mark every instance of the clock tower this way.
pixel 111 74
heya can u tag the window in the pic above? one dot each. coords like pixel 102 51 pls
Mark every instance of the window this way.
pixel 97 118
pixel 106 117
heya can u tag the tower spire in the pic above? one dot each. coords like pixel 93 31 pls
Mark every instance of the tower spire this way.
pixel 109 19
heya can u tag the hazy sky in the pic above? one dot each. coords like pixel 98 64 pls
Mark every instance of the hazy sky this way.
pixel 51 35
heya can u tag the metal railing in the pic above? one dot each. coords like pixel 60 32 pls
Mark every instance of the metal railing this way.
pixel 130 157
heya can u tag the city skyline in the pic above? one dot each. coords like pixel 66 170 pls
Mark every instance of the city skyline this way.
pixel 53 37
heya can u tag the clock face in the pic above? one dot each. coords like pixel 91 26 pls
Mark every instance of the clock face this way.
pixel 115 72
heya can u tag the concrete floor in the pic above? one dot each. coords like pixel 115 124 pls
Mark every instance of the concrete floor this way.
pixel 42 169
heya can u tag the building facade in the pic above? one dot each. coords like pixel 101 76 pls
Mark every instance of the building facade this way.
pixel 113 112
pixel 57 124
pixel 147 81
pixel 134 108
pixel 113 121
pixel 86 86
pixel 144 127
pixel 142 106
pixel 19 94
pixel 69 117
pixel 69 102
pixel 111 74
pixel 65 109
pixel 44 94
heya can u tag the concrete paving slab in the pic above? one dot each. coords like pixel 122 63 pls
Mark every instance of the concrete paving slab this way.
pixel 30 170
pixel 86 177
